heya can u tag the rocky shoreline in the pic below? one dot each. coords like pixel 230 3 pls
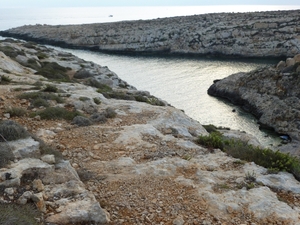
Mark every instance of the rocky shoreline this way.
pixel 117 155
pixel 256 34
pixel 271 94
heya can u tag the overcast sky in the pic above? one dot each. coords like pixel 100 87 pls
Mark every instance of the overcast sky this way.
pixel 90 3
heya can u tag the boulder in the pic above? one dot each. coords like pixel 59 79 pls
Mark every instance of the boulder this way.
pixel 290 62
pixel 297 58
pixel 281 65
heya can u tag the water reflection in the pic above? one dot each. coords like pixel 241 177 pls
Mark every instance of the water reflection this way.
pixel 183 82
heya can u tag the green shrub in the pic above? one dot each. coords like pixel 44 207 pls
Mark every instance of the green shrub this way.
pixel 53 70
pixel 42 55
pixel 83 74
pixel 110 113
pixel 6 71
pixel 10 131
pixel 15 111
pixel 140 98
pixel 214 140
pixel 98 118
pixel 97 101
pixel 43 95
pixel 19 214
pixel 273 160
pixel 83 99
pixel 6 154
pixel 58 113
pixel 50 88
pixel 38 102
pixel 250 177
pixel 155 101
pixel 267 158
pixel 85 175
pixel 37 85
pixel 210 128
pixel 5 80
pixel 118 95
pixel 103 88
pixel 11 52
pixel 81 121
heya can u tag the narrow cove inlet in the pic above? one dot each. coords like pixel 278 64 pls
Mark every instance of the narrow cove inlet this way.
pixel 183 82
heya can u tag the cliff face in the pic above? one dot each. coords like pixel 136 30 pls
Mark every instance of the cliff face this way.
pixel 272 94
pixel 120 161
pixel 257 34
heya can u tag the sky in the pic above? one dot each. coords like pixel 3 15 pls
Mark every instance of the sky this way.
pixel 94 3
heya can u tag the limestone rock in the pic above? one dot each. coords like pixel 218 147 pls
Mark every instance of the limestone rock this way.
pixel 50 159
pixel 281 65
pixel 144 166
pixel 25 148
pixel 43 133
pixel 281 181
pixel 297 58
pixel 178 221
pixel 8 64
pixel 269 94
pixel 290 62
pixel 253 34
pixel 38 185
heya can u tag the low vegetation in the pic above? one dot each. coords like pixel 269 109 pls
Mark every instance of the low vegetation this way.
pixel 10 131
pixel 6 154
pixel 58 113
pixel 19 214
pixel 97 101
pixel 15 111
pixel 41 95
pixel 52 70
pixel 273 160
pixel 11 52
pixel 50 88
pixel 5 80
pixel 40 102
pixel 81 121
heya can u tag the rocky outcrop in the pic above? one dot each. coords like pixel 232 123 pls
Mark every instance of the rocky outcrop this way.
pixel 253 34
pixel 134 162
pixel 271 94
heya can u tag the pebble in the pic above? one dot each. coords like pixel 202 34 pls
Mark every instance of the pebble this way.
pixel 75 165
pixel 9 191
pixel 178 221
pixel 50 159
pixel 38 185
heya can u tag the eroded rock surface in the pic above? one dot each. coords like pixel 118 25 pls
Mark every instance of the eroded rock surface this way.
pixel 271 94
pixel 136 163
pixel 254 34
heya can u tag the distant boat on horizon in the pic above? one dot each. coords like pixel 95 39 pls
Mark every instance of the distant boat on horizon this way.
pixel 110 16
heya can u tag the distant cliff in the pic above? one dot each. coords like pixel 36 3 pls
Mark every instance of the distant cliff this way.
pixel 255 34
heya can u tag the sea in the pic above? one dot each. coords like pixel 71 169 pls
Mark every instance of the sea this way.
pixel 181 81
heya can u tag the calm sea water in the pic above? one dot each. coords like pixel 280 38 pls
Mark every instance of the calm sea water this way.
pixel 183 82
